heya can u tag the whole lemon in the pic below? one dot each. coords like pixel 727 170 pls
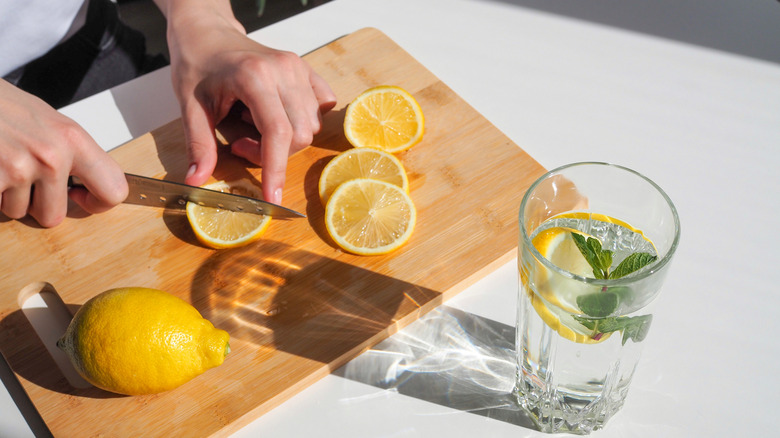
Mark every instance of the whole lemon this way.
pixel 141 341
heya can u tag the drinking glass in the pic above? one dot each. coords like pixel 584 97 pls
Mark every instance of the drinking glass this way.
pixel 580 327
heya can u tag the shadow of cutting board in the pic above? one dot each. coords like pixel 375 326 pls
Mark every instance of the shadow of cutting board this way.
pixel 295 306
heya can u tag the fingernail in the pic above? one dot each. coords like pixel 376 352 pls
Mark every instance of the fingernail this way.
pixel 191 170
pixel 277 196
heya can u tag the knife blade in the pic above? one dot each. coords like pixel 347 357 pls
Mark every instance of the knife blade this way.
pixel 169 194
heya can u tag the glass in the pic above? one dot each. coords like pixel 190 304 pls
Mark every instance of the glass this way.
pixel 579 337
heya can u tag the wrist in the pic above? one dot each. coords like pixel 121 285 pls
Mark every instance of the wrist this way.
pixel 193 14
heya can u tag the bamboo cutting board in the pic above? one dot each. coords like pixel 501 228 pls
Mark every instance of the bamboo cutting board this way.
pixel 295 306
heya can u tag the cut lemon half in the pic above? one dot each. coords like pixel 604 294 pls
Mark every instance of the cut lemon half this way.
pixel 220 228
pixel 370 217
pixel 386 118
pixel 361 163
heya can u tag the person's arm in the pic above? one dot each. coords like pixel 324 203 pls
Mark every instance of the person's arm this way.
pixel 214 65
pixel 39 149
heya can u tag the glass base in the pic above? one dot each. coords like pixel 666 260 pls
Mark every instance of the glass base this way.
pixel 565 386
pixel 559 413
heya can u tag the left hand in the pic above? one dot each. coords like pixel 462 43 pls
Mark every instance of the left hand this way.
pixel 214 65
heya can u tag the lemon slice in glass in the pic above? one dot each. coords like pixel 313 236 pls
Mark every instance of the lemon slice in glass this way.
pixel 361 163
pixel 555 297
pixel 384 117
pixel 557 245
pixel 370 217
pixel 220 228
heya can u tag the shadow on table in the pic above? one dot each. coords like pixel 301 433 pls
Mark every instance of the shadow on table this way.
pixel 448 357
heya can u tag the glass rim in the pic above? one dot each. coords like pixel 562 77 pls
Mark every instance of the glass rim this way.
pixel 655 267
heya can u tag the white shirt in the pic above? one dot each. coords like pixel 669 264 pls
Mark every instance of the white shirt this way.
pixel 30 28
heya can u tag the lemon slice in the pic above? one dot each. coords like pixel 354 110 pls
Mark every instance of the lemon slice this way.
pixel 385 117
pixel 219 228
pixel 361 163
pixel 557 246
pixel 555 297
pixel 370 217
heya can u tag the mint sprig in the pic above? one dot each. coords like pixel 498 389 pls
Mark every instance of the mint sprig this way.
pixel 632 327
pixel 599 306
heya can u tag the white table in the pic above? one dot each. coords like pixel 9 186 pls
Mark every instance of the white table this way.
pixel 705 125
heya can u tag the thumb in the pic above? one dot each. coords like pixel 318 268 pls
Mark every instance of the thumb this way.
pixel 201 145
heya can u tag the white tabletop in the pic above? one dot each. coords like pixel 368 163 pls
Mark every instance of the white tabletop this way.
pixel 703 124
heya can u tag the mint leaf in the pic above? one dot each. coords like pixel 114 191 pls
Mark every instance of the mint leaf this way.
pixel 587 251
pixel 599 304
pixel 632 263
pixel 603 258
pixel 636 328
pixel 599 260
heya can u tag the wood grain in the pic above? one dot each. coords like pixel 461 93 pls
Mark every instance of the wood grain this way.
pixel 295 306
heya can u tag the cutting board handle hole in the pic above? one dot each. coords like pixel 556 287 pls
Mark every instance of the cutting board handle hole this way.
pixel 49 317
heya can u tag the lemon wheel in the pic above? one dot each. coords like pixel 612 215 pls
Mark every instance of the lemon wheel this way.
pixel 385 117
pixel 370 217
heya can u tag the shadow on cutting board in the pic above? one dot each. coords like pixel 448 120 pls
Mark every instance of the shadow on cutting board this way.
pixel 27 355
pixel 287 299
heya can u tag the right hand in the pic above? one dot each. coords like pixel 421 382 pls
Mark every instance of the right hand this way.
pixel 39 149
pixel 214 65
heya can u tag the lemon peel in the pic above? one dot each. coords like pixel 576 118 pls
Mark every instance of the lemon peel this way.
pixel 138 341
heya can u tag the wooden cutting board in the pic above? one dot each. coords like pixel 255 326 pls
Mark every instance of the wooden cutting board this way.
pixel 295 306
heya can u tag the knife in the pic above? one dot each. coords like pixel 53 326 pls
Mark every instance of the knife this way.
pixel 168 194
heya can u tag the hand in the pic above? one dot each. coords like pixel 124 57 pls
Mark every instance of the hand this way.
pixel 39 149
pixel 214 65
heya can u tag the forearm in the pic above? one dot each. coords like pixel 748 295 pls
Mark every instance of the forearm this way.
pixel 179 13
